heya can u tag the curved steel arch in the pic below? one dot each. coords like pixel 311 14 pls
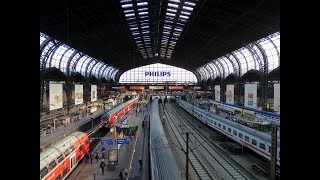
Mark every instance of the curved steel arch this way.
pixel 255 58
pixel 225 61
pixel 208 75
pixel 205 73
pixel 90 74
pixel 105 67
pixel 62 57
pixel 202 73
pixel 276 48
pixel 86 70
pixel 239 63
pixel 265 57
pixel 217 68
pixel 98 71
pixel 215 72
pixel 53 52
pixel 222 68
pixel 256 55
pixel 212 74
pixel 49 53
pixel 70 59
pixel 235 70
pixel 44 58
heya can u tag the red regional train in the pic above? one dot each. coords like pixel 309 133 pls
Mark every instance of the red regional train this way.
pixel 110 118
pixel 59 160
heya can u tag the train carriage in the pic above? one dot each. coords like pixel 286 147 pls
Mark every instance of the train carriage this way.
pixel 59 160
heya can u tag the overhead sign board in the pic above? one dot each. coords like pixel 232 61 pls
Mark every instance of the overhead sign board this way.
pixel 122 141
pixel 107 142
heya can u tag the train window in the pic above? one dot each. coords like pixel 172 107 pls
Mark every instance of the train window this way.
pixel 60 158
pixel 58 177
pixel 229 130
pixel 72 148
pixel 219 124
pixel 224 127
pixel 64 172
pixel 44 171
pixel 254 142
pixel 262 146
pixel 246 138
pixel 215 123
pixel 80 148
pixel 66 152
pixel 240 135
pixel 234 132
pixel 52 164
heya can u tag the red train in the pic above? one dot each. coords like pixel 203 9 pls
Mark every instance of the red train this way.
pixel 110 118
pixel 59 160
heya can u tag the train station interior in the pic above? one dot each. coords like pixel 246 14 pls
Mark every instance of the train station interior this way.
pixel 159 89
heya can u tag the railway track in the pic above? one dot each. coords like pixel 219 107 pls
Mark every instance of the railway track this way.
pixel 204 150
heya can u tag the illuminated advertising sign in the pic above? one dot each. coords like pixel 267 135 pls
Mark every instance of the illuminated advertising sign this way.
pixel 156 87
pixel 122 88
pixel 136 87
pixel 156 73
pixel 175 87
pixel 115 87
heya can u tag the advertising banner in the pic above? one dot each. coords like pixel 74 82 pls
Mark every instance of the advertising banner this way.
pixel 230 94
pixel 276 98
pixel 156 87
pixel 55 96
pixel 136 87
pixel 93 93
pixel 217 93
pixel 113 155
pixel 175 87
pixel 78 94
pixel 250 95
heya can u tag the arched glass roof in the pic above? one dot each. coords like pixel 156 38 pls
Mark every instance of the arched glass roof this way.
pixel 69 60
pixel 244 59
pixel 158 73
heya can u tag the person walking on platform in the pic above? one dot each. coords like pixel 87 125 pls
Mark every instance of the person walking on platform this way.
pixel 126 172
pixel 91 157
pixel 120 174
pixel 103 152
pixel 140 164
pixel 97 156
pixel 102 166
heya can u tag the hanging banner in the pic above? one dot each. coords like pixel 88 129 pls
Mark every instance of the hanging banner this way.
pixel 276 98
pixel 55 96
pixel 250 95
pixel 93 93
pixel 230 94
pixel 217 93
pixel 78 92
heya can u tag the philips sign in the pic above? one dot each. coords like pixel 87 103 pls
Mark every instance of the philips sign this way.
pixel 157 73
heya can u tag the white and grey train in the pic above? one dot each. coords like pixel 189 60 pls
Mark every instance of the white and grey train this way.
pixel 255 140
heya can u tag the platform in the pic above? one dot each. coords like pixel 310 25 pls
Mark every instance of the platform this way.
pixel 54 136
pixel 128 157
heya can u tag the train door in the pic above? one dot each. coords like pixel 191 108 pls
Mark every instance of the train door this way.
pixel 72 161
